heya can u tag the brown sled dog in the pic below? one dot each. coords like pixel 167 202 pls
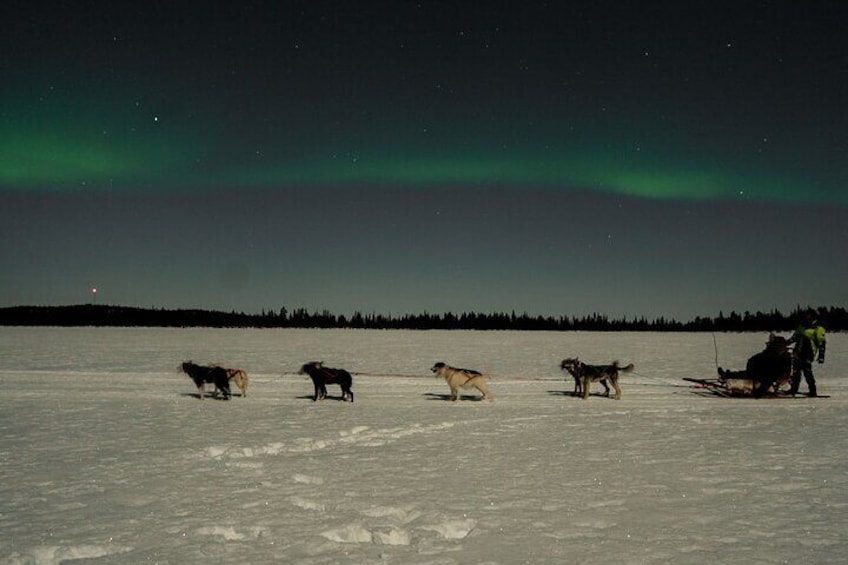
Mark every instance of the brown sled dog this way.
pixel 239 378
pixel 584 375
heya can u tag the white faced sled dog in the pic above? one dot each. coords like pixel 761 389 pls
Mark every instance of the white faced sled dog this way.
pixel 462 378
pixel 584 375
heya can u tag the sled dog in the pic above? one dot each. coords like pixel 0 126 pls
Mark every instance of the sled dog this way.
pixel 239 378
pixel 462 378
pixel 584 375
pixel 570 366
pixel 322 376
pixel 202 374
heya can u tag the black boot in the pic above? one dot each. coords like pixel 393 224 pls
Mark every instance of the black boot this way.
pixel 794 383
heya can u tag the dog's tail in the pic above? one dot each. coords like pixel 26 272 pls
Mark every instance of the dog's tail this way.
pixel 625 369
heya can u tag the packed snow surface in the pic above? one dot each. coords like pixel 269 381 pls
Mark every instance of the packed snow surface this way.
pixel 108 455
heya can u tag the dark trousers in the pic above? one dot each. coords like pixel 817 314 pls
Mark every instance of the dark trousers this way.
pixel 805 367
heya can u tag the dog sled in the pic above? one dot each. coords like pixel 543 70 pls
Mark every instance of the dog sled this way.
pixel 729 388
pixel 767 374
pixel 736 387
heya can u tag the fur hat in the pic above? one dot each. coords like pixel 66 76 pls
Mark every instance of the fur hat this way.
pixel 776 341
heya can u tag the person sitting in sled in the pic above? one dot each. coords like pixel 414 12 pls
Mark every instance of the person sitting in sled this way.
pixel 767 369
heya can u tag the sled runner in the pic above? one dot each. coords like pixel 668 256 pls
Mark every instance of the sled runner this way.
pixel 737 388
pixel 719 387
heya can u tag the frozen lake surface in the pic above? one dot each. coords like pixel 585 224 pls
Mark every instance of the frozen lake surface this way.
pixel 108 456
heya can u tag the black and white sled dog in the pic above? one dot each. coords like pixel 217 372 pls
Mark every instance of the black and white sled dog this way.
pixel 462 378
pixel 202 374
pixel 584 375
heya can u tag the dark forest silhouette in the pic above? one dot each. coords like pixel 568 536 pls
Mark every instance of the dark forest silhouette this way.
pixel 835 319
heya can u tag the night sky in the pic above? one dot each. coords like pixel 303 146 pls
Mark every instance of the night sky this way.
pixel 629 158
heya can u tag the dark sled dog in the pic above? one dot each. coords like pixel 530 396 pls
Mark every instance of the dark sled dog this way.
pixel 322 376
pixel 462 378
pixel 202 374
pixel 584 375
pixel 570 366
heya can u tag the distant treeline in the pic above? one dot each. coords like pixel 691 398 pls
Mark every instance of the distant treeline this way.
pixel 834 318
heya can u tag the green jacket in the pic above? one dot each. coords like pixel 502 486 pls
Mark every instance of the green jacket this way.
pixel 809 341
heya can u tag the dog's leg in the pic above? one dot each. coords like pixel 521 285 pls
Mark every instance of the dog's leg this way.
pixel 617 388
pixel 606 387
pixel 586 384
pixel 201 389
pixel 454 394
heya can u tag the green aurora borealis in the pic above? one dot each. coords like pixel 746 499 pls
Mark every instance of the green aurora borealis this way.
pixel 60 136
pixel 146 152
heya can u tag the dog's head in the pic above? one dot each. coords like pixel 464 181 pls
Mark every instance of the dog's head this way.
pixel 311 366
pixel 186 366
pixel 572 365
pixel 438 367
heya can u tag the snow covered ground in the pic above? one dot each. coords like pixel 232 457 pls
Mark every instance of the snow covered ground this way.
pixel 108 456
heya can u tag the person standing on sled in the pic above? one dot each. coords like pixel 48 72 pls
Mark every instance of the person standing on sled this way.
pixel 767 369
pixel 809 345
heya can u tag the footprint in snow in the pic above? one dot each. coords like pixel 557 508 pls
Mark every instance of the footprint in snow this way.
pixel 353 533
pixel 452 529
pixel 307 504
pixel 307 480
